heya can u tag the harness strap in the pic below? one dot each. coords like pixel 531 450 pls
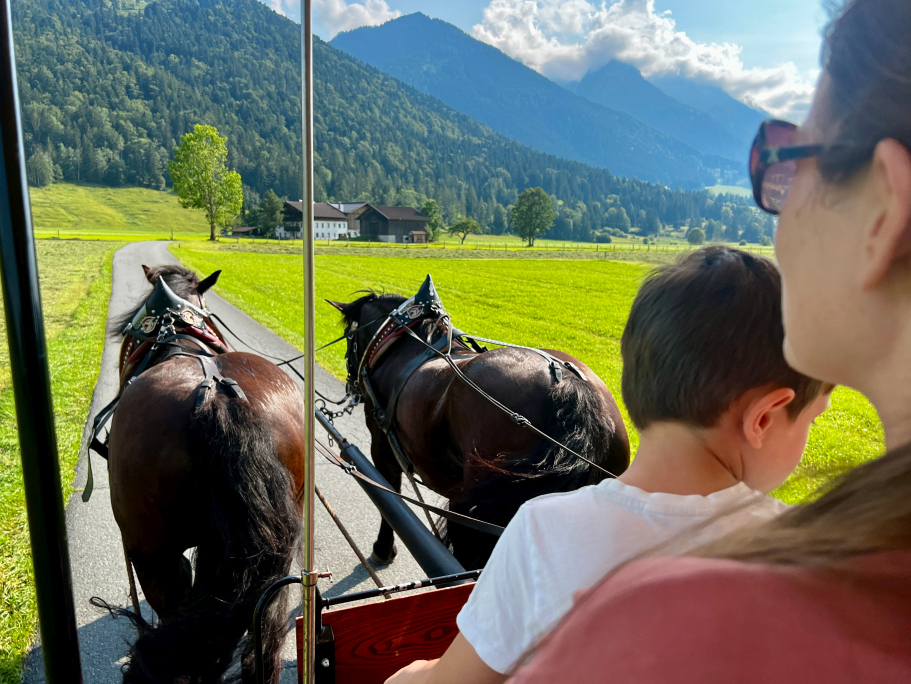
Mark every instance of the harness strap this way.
pixel 452 516
pixel 210 372
pixel 386 418
pixel 213 378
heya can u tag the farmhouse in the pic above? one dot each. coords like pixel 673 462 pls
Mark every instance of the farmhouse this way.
pixel 391 224
pixel 328 222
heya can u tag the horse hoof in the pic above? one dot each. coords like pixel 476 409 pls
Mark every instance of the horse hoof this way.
pixel 376 559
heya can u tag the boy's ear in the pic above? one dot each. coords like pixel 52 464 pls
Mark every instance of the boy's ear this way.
pixel 760 414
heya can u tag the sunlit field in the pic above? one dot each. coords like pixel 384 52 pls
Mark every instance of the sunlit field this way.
pixel 75 288
pixel 577 306
pixel 90 212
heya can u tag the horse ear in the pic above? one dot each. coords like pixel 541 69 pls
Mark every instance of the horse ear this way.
pixel 207 283
pixel 151 275
pixel 338 305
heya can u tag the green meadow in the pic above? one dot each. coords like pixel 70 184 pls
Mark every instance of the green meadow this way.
pixel 75 288
pixel 577 306
pixel 91 212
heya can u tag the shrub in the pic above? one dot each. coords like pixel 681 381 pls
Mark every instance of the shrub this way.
pixel 695 236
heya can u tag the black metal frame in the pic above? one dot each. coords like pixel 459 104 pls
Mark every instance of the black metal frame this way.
pixel 430 553
pixel 32 386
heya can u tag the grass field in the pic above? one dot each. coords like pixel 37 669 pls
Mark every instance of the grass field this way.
pixel 94 212
pixel 577 306
pixel 730 190
pixel 75 287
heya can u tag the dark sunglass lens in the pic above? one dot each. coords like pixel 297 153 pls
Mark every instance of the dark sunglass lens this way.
pixel 779 134
pixel 776 183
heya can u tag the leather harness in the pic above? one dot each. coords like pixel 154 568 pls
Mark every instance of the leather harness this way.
pixel 179 334
pixel 403 322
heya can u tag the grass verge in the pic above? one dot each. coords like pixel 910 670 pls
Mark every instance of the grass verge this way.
pixel 578 306
pixel 75 289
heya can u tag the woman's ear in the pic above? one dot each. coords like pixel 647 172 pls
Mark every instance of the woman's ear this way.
pixel 888 238
pixel 760 414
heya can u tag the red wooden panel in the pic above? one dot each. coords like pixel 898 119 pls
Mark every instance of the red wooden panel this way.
pixel 375 640
pixel 299 635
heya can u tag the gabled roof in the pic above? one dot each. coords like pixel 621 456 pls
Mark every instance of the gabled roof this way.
pixel 347 207
pixel 398 213
pixel 321 210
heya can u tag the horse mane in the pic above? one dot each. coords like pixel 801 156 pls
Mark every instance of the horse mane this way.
pixel 182 282
pixel 352 310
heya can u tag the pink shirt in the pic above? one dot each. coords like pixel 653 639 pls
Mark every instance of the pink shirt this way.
pixel 689 620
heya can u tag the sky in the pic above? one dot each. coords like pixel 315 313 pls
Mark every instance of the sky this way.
pixel 763 53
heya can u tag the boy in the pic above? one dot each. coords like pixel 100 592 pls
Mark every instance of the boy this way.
pixel 722 420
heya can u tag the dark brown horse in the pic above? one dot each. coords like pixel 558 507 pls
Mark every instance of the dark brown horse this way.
pixel 217 470
pixel 464 448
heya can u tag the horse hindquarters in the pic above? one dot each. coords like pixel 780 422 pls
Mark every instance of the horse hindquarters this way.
pixel 253 527
pixel 496 486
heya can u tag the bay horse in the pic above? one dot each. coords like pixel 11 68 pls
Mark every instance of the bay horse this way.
pixel 218 468
pixel 460 445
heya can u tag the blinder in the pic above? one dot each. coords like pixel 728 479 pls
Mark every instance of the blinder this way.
pixel 161 303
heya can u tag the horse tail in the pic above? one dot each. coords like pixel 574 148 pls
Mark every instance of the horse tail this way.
pixel 576 415
pixel 252 535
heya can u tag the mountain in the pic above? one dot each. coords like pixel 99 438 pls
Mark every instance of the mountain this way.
pixel 738 119
pixel 482 82
pixel 108 88
pixel 621 87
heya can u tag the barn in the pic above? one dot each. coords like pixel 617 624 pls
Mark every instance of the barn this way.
pixel 391 224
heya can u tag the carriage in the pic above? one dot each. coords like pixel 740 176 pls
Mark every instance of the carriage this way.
pixel 361 637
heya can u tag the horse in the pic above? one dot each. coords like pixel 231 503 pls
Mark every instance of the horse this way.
pixel 460 445
pixel 206 450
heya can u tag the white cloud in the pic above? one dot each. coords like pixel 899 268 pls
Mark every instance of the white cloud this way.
pixel 335 16
pixel 565 39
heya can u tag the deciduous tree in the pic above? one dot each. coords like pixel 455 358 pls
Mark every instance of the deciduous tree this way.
pixel 431 210
pixel 202 179
pixel 533 214
pixel 463 228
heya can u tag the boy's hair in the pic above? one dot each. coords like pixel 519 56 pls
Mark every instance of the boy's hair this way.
pixel 701 333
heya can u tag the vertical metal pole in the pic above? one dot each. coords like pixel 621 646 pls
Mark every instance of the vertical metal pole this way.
pixel 32 386
pixel 309 607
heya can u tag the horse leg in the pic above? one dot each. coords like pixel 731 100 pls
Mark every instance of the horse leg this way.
pixel 384 550
pixel 166 579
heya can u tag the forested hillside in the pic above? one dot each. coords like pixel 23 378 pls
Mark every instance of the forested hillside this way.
pixel 109 86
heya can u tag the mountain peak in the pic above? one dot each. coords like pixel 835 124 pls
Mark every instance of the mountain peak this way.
pixel 479 80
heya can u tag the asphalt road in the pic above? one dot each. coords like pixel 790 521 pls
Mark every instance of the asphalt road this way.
pixel 96 553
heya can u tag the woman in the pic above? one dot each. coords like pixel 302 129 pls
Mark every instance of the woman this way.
pixel 822 593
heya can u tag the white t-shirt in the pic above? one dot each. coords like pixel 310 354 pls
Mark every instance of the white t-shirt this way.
pixel 559 544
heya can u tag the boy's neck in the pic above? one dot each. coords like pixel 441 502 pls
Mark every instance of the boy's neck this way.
pixel 678 459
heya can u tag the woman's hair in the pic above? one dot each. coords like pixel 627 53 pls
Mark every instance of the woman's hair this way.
pixel 867 56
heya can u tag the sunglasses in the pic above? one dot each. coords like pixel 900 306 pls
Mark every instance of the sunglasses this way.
pixel 773 163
